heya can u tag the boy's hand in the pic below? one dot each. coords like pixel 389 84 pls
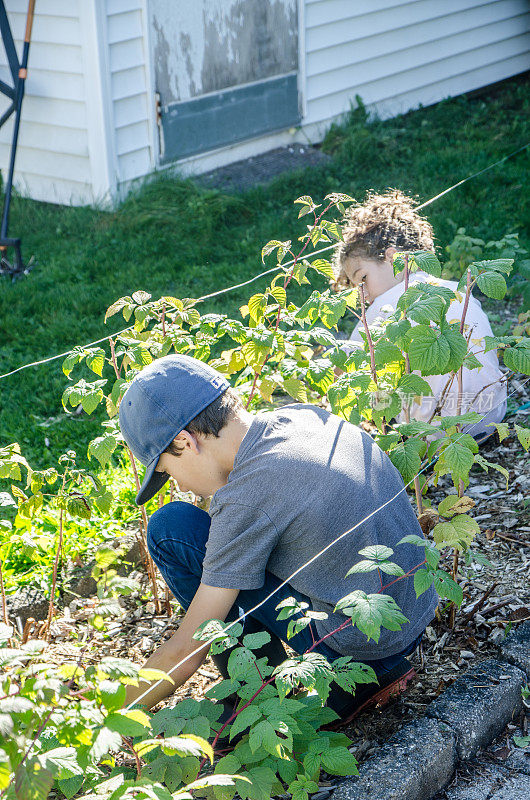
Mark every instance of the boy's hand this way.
pixel 209 602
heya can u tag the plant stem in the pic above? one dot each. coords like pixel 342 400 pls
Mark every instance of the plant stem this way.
pixel 113 357
pixel 2 590
pixel 370 344
pixel 150 567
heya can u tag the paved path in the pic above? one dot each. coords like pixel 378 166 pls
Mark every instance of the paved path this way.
pixel 243 175
pixel 487 779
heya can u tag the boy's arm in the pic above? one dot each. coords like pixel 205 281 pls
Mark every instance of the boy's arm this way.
pixel 209 603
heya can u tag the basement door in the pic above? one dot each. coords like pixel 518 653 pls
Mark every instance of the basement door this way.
pixel 225 71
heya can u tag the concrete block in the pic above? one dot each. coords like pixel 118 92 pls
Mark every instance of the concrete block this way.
pixel 478 705
pixel 414 764
pixel 516 647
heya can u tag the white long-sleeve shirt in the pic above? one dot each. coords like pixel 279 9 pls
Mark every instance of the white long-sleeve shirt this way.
pixel 492 400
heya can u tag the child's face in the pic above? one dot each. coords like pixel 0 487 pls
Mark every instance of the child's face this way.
pixel 377 276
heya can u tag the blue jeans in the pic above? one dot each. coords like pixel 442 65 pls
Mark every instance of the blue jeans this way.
pixel 176 538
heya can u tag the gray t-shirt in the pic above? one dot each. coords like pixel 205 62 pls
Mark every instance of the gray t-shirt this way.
pixel 301 478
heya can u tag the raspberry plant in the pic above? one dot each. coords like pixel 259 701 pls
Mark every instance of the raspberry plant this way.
pixel 67 727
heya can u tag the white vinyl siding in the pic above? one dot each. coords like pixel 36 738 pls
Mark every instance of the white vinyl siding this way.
pixel 52 160
pixel 88 127
pixel 397 54
pixel 130 96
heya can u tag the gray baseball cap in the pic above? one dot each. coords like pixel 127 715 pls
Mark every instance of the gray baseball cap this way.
pixel 161 400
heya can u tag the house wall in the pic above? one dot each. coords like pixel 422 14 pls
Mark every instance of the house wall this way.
pixel 397 54
pixel 131 90
pixel 53 161
pixel 89 126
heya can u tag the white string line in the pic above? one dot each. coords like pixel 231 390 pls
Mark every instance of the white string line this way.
pixel 474 175
pixel 197 300
pixel 206 645
pixel 266 272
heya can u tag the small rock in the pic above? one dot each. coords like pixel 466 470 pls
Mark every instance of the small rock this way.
pixel 323 795
pixel 497 636
pixel 466 654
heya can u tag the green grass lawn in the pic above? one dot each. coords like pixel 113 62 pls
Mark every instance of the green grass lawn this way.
pixel 172 237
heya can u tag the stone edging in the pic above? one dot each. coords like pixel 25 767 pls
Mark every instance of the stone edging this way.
pixel 420 759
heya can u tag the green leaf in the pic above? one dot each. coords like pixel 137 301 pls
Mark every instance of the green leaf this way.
pixel 256 640
pixel 458 533
pixel 423 578
pixel 427 262
pixel 377 552
pixel 518 358
pixel 425 309
pixel 452 504
pixel 413 384
pixel 280 295
pixel 261 780
pixel 264 735
pixel 274 244
pixel 456 459
pixel 256 306
pixel 298 272
pixel 447 587
pixel 492 285
pixel 129 723
pixel 219 634
pixel 185 745
pixel 486 465
pixel 386 353
pixel 64 761
pixel 223 689
pixel 102 448
pixel 503 265
pixel 112 694
pixel 106 741
pixel 429 351
pixel 296 389
pixel 339 761
pixel 245 718
pixel 71 786
pixel 332 308
pixel 523 434
pixel 324 267
pixel 307 205
pixel 32 781
pixel 405 457
pixel 372 612
pixel 242 664
pixel 71 360
pixel 457 349
pixel 503 429
pixel 95 360
pixel 348 674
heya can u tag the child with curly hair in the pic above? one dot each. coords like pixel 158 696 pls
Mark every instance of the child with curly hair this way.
pixel 373 232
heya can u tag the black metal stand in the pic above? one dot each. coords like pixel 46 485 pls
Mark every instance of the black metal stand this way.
pixel 15 93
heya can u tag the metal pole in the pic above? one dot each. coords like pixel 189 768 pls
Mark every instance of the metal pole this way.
pixel 19 96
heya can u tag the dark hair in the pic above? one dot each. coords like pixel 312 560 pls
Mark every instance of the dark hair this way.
pixel 383 220
pixel 211 419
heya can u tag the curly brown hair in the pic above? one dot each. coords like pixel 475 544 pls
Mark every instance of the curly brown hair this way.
pixel 383 220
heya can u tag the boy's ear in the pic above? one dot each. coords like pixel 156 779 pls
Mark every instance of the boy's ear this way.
pixel 187 440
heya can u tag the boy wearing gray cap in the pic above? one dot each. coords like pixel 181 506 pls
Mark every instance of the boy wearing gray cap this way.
pixel 284 485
